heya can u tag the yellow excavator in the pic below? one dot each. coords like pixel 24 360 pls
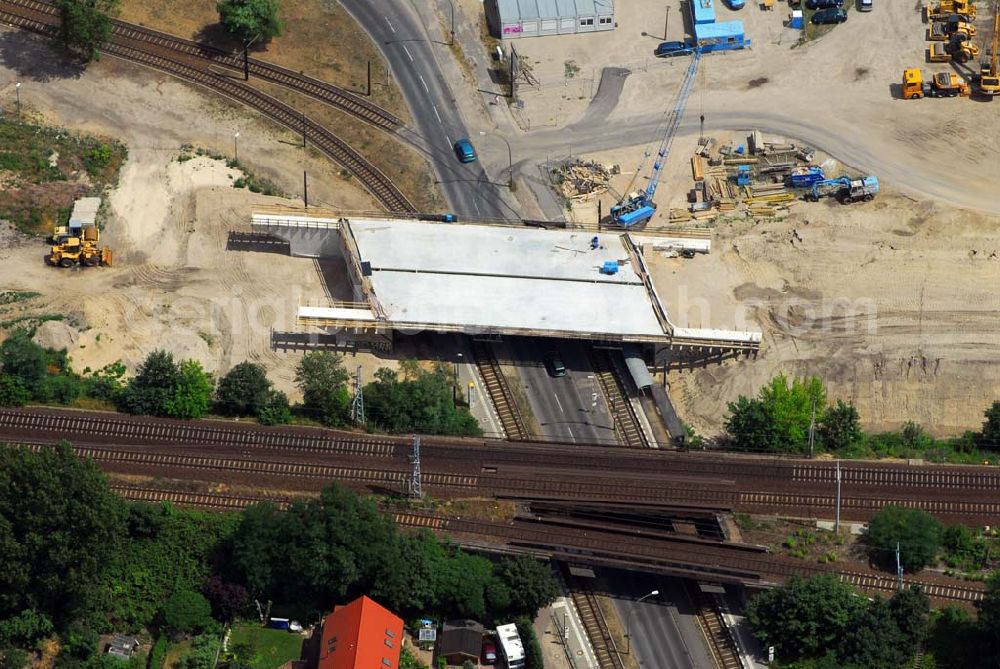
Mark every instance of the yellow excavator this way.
pixel 989 77
pixel 84 250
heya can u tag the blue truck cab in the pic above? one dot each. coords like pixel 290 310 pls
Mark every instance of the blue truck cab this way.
pixel 464 150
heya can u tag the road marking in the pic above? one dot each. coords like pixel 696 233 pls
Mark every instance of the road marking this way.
pixel 553 394
pixel 408 53
pixel 421 77
pixel 448 138
pixel 436 113
pixel 475 203
pixel 390 23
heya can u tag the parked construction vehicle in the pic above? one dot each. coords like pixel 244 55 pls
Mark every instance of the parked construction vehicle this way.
pixel 989 77
pixel 945 8
pixel 846 189
pixel 85 251
pixel 958 50
pixel 941 85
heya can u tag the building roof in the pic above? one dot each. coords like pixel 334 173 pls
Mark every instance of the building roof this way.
pixel 85 212
pixel 361 635
pixel 703 11
pixel 461 637
pixel 519 10
pixel 123 645
pixel 717 30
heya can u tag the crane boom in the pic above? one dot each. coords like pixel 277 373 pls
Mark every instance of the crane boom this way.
pixel 989 77
pixel 637 208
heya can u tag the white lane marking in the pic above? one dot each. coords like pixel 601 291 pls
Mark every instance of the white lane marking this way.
pixel 553 394
pixel 408 53
pixel 436 113
pixel 448 138
pixel 479 213
pixel 390 23
pixel 424 83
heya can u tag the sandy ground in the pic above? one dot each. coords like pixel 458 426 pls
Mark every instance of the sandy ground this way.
pixel 174 285
pixel 893 303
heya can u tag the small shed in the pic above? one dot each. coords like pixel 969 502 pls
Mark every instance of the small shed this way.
pixel 532 18
pixel 723 36
pixel 461 640
pixel 702 11
pixel 122 646
pixel 84 213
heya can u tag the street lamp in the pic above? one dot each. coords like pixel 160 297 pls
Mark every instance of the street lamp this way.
pixel 628 620
pixel 510 160
pixel 236 147
pixel 452 42
pixel 17 93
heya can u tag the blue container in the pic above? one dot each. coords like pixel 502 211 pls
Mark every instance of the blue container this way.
pixel 610 267
pixel 806 177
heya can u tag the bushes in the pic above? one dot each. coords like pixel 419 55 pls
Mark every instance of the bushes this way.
pixel 158 656
pixel 163 387
pixel 421 401
pixel 186 611
pixel 246 391
pixel 533 658
pixel 916 532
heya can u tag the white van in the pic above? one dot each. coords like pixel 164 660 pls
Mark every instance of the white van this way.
pixel 865 5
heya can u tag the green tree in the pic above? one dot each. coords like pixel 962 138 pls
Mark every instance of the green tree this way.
pixel 805 618
pixel 276 410
pixel 244 390
pixel 840 427
pixel 86 25
pixel 12 392
pixel 954 640
pixel 13 658
pixel 192 396
pixel 250 20
pixel 154 385
pixel 186 611
pixel 79 647
pixel 917 533
pixel 322 379
pixel 421 401
pixel 529 582
pixel 59 527
pixel 792 405
pixel 204 649
pixel 989 610
pixel 23 628
pixel 533 657
pixel 990 436
pixel 752 427
pixel 24 360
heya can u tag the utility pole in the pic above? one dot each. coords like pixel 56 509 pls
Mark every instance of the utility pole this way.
pixel 369 78
pixel 358 403
pixel 452 42
pixel 17 93
pixel 305 188
pixel 416 489
pixel 899 570
pixel 236 147
pixel 812 427
pixel 836 527
pixel 303 130
pixel 701 132
pixel 666 21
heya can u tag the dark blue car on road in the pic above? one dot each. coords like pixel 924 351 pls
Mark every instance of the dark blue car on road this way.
pixel 668 49
pixel 465 151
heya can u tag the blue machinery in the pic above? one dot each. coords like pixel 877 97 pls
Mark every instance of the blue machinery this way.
pixel 638 207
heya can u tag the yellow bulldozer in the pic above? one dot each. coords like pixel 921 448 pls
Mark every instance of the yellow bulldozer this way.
pixel 945 8
pixel 989 76
pixel 85 251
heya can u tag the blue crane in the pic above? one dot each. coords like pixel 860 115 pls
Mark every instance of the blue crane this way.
pixel 638 207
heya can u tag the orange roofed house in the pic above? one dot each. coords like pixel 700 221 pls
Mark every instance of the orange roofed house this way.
pixel 361 635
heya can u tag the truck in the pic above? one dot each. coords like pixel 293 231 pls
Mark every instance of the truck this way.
pixel 941 85
pixel 805 177
pixel 846 189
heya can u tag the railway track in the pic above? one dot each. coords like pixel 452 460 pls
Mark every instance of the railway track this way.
pixel 334 96
pixel 161 58
pixel 197 500
pixel 594 624
pixel 499 391
pixel 713 627
pixel 628 429
pixel 554 472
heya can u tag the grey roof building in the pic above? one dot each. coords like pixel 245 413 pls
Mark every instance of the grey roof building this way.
pixel 122 646
pixel 532 18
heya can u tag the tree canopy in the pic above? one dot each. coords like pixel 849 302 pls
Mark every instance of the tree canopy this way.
pixel 321 377
pixel 990 435
pixel 825 622
pixel 244 390
pixel 917 533
pixel 779 418
pixel 186 611
pixel 86 25
pixel 58 530
pixel 163 387
pixel 251 20
pixel 421 401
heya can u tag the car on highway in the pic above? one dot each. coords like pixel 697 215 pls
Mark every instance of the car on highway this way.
pixel 827 16
pixel 824 4
pixel 465 151
pixel 554 364
pixel 669 49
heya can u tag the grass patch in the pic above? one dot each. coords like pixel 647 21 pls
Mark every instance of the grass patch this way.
pixel 272 648
pixel 571 69
pixel 249 180
pixel 31 321
pixel 44 169
pixel 14 296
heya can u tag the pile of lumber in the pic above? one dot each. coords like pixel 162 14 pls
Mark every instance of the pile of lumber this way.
pixel 582 180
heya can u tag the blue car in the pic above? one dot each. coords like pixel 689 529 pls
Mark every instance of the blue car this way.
pixel 736 4
pixel 465 151
pixel 668 49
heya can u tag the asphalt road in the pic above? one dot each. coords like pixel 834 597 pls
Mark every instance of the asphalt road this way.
pixel 566 407
pixel 664 632
pixel 398 31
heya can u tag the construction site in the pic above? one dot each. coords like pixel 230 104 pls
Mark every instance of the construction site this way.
pixel 605 233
